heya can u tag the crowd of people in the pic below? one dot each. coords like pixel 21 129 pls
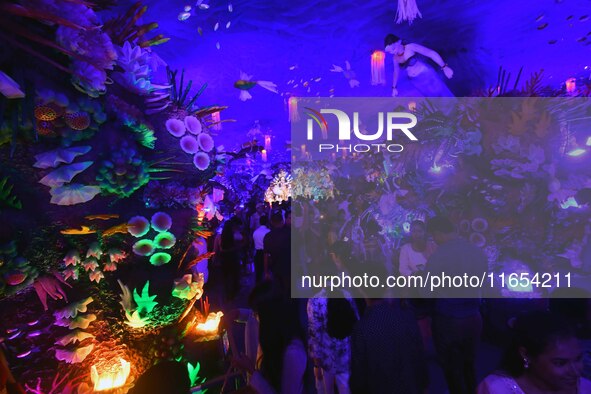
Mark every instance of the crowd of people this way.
pixel 352 342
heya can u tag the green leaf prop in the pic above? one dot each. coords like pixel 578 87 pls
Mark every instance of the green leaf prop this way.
pixel 194 375
pixel 6 195
pixel 145 301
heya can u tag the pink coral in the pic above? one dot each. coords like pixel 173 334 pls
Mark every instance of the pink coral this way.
pixel 138 226
pixel 189 144
pixel 201 161
pixel 161 221
pixel 175 127
pixel 205 142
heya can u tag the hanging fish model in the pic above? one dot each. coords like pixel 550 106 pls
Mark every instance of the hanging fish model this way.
pixel 245 83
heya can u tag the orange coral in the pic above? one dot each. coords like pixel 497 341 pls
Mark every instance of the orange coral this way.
pixel 78 120
pixel 45 113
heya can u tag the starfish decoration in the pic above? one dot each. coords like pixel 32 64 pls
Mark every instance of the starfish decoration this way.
pixel 145 301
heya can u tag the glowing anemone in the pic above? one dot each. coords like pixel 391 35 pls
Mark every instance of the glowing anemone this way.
pixel 189 144
pixel 205 142
pixel 464 226
pixel 201 161
pixel 164 240
pixel 193 125
pixel 479 225
pixel 113 375
pixel 160 258
pixel 161 221
pixel 478 239
pixel 143 247
pixel 175 127
pixel 138 226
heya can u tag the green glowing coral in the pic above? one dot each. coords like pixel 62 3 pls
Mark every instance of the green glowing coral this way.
pixel 144 302
pixel 6 196
pixel 143 247
pixel 164 240
pixel 143 134
pixel 134 320
pixel 123 173
pixel 160 259
pixel 194 374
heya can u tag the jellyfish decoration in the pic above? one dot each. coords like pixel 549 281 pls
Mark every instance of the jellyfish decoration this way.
pixel 165 240
pixel 479 225
pixel 193 125
pixel 160 258
pixel 176 127
pixel 138 226
pixel 72 258
pixel 96 276
pixel 94 250
pixel 70 272
pixel 189 144
pixel 478 239
pixel 116 255
pixel 161 221
pixel 143 247
pixel 90 264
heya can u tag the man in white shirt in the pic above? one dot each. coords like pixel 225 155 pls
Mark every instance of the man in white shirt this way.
pixel 259 257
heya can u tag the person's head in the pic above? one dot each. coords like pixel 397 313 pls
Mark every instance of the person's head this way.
pixel 418 231
pixel 441 229
pixel 264 220
pixel 544 347
pixel 277 219
pixel 393 44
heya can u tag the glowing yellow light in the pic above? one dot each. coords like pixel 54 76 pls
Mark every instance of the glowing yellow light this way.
pixel 211 324
pixel 112 376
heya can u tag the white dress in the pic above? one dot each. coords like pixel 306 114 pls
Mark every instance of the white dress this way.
pixel 501 384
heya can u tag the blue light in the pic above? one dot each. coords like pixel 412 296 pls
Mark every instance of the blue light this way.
pixel 588 143
pixel 569 202
pixel 576 152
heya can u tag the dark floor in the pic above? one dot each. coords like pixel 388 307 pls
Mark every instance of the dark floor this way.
pixel 487 360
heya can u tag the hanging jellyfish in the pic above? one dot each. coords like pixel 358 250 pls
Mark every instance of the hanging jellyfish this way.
pixel 292 105
pixel 407 11
pixel 216 121
pixel 378 72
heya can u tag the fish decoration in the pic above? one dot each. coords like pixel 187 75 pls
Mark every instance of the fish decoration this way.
pixel 348 73
pixel 118 229
pixel 230 8
pixel 245 83
pixel 83 230
pixel 104 216
pixel 542 26
pixel 584 18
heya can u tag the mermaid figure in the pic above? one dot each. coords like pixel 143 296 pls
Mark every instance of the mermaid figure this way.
pixel 413 58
